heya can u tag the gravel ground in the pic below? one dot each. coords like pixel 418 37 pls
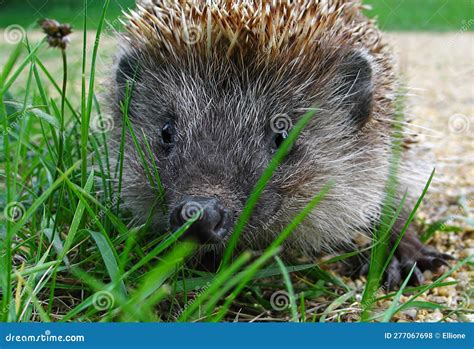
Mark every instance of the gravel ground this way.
pixel 439 72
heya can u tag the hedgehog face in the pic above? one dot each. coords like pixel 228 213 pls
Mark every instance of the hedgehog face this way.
pixel 211 135
pixel 213 129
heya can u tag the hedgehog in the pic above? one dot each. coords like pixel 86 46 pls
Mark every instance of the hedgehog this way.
pixel 214 87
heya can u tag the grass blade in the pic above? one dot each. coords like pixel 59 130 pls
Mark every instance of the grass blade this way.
pixel 260 186
pixel 392 310
pixel 289 287
pixel 272 249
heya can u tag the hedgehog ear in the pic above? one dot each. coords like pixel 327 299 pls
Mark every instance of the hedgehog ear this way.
pixel 127 70
pixel 357 87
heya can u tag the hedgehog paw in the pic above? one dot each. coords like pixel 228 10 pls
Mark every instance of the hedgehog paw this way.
pixel 409 251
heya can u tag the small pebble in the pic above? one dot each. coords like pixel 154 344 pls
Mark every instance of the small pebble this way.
pixel 466 252
pixel 411 313
pixel 435 316
pixel 428 275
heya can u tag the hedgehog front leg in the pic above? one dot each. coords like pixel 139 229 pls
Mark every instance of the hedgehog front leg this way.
pixel 410 251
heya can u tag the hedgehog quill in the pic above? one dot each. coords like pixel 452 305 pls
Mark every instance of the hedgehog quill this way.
pixel 217 86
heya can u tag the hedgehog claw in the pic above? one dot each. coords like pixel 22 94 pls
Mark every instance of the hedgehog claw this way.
pixel 431 263
pixel 364 269
pixel 417 278
pixel 409 251
pixel 396 273
pixel 392 274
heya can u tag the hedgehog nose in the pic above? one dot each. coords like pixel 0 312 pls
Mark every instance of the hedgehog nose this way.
pixel 212 223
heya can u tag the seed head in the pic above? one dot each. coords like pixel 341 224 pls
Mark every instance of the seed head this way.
pixel 57 33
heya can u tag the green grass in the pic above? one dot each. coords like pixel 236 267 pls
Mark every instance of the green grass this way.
pixel 68 253
pixel 393 15
pixel 423 15
pixel 26 13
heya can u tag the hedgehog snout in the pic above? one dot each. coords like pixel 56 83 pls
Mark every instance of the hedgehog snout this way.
pixel 212 221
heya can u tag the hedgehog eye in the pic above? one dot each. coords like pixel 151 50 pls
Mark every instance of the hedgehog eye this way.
pixel 278 139
pixel 167 134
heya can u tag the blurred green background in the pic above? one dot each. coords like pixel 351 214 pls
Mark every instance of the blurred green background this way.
pixel 393 15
